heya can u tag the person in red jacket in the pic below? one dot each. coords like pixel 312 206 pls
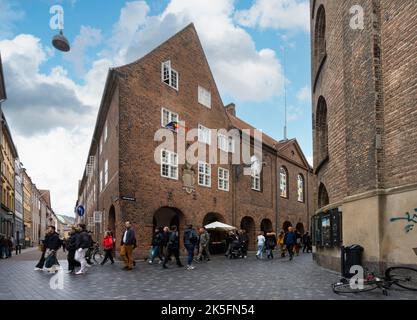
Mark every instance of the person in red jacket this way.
pixel 108 244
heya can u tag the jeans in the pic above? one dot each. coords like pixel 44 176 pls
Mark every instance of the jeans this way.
pixel 190 249
pixel 155 253
pixel 169 253
pixel 72 263
pixel 290 249
pixel 260 250
pixel 80 257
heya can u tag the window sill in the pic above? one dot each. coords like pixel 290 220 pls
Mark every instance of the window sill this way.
pixel 169 178
pixel 202 185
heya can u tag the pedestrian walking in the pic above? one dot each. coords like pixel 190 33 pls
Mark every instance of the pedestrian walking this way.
pixel 157 239
pixel 108 245
pixel 127 245
pixel 82 245
pixel 172 247
pixel 71 247
pixel 290 241
pixel 229 240
pixel 203 250
pixel 244 240
pixel 52 245
pixel 281 243
pixel 9 247
pixel 41 263
pixel 190 241
pixel 307 242
pixel 261 243
pixel 298 239
pixel 270 243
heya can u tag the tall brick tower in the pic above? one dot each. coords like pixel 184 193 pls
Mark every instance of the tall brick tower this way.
pixel 364 87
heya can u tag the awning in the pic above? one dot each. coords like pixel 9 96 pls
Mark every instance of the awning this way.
pixel 219 226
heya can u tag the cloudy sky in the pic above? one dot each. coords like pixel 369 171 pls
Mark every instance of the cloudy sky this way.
pixel 53 97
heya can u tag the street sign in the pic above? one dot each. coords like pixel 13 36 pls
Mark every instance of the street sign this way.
pixel 80 210
pixel 128 198
pixel 98 216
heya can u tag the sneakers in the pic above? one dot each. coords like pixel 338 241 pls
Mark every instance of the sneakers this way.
pixel 190 267
pixel 79 272
pixel 88 265
pixel 150 262
pixel 38 269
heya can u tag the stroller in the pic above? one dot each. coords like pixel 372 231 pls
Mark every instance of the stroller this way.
pixel 236 250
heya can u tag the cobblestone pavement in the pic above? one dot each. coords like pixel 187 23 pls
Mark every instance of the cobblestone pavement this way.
pixel 218 279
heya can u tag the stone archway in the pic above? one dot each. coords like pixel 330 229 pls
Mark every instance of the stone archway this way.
pixel 286 225
pixel 248 224
pixel 212 217
pixel 168 216
pixel 266 226
pixel 112 220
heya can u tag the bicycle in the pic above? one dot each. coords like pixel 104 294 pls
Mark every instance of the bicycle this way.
pixel 403 277
pixel 95 253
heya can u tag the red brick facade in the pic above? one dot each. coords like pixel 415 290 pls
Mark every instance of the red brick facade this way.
pixel 131 107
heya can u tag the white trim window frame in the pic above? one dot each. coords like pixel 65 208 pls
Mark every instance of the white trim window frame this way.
pixel 169 76
pixel 106 172
pixel 300 188
pixel 168 116
pixel 223 179
pixel 255 181
pixel 105 132
pixel 169 165
pixel 223 142
pixel 101 180
pixel 204 134
pixel 204 97
pixel 204 174
pixel 101 145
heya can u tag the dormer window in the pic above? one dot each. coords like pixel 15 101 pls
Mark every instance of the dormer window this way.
pixel 169 75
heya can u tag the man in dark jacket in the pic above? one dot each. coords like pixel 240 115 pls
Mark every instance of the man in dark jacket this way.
pixel 41 262
pixel 190 241
pixel 71 248
pixel 173 247
pixel 307 242
pixel 270 242
pixel 290 241
pixel 156 245
pixel 82 243
pixel 127 244
pixel 52 244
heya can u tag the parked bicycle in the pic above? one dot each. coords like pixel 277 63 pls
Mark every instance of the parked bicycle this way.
pixel 95 253
pixel 403 277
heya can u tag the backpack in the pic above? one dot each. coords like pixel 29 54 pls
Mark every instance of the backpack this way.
pixel 193 237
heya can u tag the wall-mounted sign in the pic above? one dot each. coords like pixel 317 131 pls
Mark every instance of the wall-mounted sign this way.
pixel 80 210
pixel 128 198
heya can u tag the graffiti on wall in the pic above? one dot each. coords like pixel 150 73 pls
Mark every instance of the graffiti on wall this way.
pixel 410 218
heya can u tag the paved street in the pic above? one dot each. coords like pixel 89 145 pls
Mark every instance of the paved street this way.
pixel 217 279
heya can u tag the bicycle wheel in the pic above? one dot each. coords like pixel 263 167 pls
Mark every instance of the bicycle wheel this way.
pixel 404 277
pixel 98 257
pixel 346 287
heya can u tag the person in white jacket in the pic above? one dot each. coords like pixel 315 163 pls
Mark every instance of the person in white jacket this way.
pixel 261 244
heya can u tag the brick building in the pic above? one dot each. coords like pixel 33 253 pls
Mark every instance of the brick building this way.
pixel 364 110
pixel 122 181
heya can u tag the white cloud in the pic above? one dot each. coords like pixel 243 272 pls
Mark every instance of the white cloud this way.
pixel 88 37
pixel 294 113
pixel 10 13
pixel 276 14
pixel 310 160
pixel 304 94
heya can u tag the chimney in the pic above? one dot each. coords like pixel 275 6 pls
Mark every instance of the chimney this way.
pixel 231 108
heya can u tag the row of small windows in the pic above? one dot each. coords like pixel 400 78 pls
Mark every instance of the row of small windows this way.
pixel 283 178
pixel 169 169
pixel 170 77
pixel 224 142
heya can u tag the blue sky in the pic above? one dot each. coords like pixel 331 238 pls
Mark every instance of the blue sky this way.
pixel 243 41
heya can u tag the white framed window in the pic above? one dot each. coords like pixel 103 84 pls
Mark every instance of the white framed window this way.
pixel 204 97
pixel 256 181
pixel 204 174
pixel 231 145
pixel 223 179
pixel 167 117
pixel 204 134
pixel 169 164
pixel 105 132
pixel 101 145
pixel 283 182
pixel 106 172
pixel 101 180
pixel 300 188
pixel 169 75
pixel 223 142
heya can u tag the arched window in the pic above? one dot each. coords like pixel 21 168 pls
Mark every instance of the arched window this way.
pixel 323 196
pixel 322 129
pixel 283 182
pixel 300 188
pixel 320 36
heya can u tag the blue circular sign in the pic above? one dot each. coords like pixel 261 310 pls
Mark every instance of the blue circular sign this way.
pixel 80 211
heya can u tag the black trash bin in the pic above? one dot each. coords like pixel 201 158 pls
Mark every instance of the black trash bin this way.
pixel 351 256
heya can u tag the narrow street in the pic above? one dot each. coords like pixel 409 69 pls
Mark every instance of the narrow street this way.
pixel 219 279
